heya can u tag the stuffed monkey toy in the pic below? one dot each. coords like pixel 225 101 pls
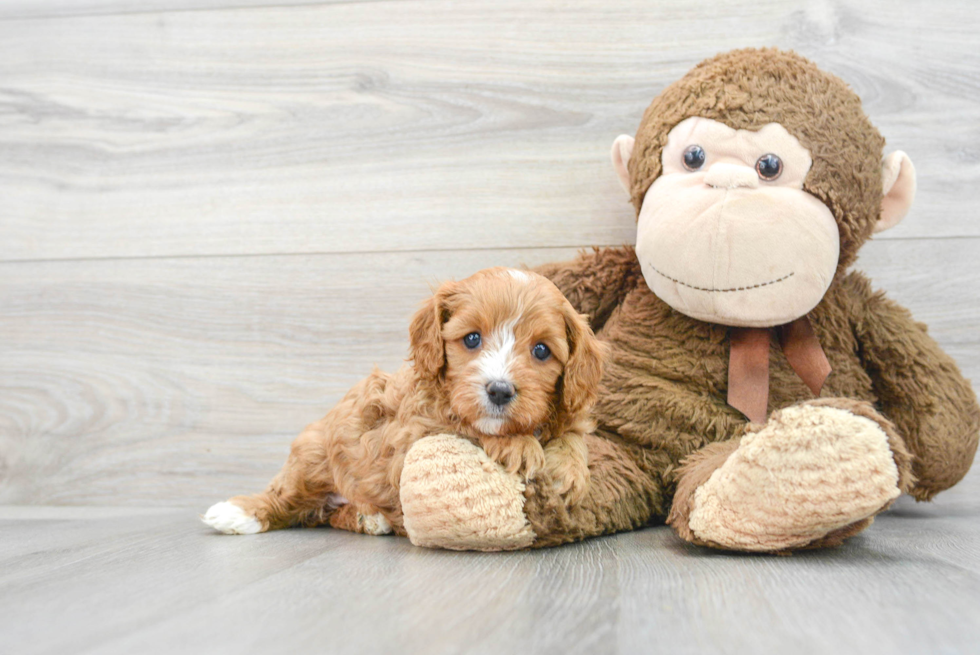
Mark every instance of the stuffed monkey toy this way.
pixel 758 395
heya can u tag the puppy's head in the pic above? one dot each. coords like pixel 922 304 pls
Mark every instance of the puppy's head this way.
pixel 510 351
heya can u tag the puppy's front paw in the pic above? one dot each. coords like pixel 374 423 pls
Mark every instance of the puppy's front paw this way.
pixel 517 454
pixel 567 466
pixel 231 519
pixel 571 480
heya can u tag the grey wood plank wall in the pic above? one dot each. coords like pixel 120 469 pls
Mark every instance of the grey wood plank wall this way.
pixel 216 216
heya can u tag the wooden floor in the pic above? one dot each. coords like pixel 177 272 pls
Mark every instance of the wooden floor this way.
pixel 117 580
pixel 217 215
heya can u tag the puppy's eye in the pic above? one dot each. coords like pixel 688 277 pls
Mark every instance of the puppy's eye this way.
pixel 694 158
pixel 472 340
pixel 769 167
pixel 541 351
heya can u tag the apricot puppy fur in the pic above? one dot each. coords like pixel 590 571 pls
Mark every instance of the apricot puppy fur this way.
pixel 500 358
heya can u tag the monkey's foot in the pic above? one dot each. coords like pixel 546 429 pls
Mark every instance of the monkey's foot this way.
pixel 454 496
pixel 813 475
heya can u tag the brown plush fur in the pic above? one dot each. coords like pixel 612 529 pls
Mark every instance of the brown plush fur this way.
pixel 656 409
pixel 348 465
pixel 663 422
pixel 835 538
pixel 693 472
pixel 663 395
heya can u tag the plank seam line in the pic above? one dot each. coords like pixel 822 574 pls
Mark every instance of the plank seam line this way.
pixel 409 251
pixel 319 253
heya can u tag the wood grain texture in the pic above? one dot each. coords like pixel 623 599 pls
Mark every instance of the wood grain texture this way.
pixel 32 9
pixel 181 381
pixel 164 583
pixel 417 125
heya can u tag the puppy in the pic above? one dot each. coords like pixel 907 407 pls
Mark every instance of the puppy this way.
pixel 500 358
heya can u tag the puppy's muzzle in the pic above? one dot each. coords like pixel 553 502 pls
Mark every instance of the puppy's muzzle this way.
pixel 500 392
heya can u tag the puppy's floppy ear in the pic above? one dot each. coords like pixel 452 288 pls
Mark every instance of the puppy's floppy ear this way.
pixel 426 347
pixel 583 370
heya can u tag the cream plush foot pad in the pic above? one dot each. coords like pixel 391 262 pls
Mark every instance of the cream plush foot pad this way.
pixel 811 470
pixel 454 496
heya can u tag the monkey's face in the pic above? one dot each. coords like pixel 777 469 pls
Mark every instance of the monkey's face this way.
pixel 727 234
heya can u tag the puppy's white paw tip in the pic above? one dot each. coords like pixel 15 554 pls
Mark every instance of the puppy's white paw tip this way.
pixel 374 524
pixel 231 519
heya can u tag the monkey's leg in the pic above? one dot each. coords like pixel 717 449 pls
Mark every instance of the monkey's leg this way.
pixel 625 492
pixel 813 475
pixel 454 496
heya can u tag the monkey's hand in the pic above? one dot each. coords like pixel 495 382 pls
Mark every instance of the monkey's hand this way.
pixel 520 453
pixel 566 462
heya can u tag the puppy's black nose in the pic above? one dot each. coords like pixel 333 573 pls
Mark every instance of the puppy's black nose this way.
pixel 500 392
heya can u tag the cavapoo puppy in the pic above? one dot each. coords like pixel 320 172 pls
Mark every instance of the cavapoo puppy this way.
pixel 500 358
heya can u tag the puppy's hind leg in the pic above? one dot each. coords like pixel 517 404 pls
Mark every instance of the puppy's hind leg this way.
pixel 301 494
pixel 230 518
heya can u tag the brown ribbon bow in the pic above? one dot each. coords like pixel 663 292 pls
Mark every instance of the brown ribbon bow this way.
pixel 748 364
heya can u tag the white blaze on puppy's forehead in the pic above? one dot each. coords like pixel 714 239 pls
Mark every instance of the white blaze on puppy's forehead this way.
pixel 519 275
pixel 498 353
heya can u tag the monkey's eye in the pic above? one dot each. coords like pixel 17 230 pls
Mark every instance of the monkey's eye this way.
pixel 472 340
pixel 541 351
pixel 769 167
pixel 694 158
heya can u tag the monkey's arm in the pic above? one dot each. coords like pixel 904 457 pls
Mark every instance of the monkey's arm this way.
pixel 919 388
pixel 595 282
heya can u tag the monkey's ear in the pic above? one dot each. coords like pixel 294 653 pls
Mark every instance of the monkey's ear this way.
pixel 898 188
pixel 622 149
